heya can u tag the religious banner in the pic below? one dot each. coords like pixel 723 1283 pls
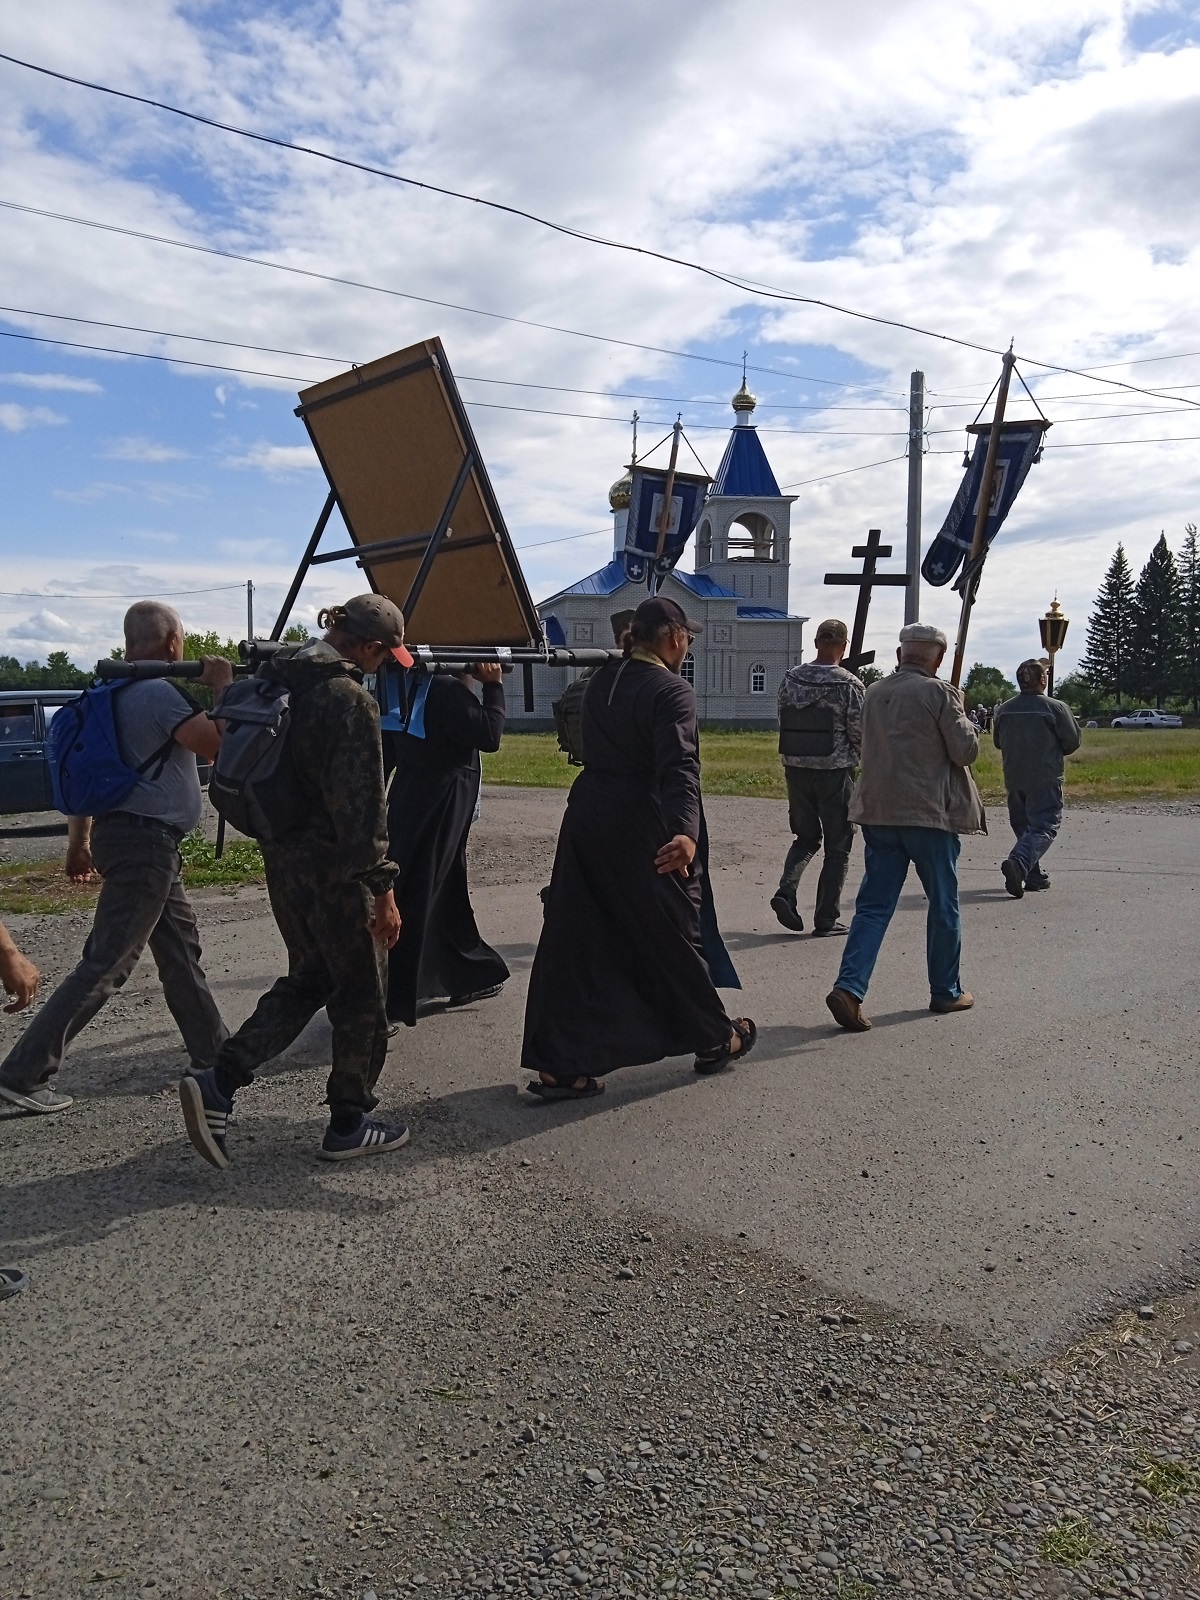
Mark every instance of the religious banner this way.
pixel 642 530
pixel 1019 447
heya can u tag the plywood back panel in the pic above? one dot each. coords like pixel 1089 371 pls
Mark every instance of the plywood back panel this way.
pixel 392 437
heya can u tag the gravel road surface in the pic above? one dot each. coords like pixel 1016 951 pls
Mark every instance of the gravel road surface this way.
pixel 859 1317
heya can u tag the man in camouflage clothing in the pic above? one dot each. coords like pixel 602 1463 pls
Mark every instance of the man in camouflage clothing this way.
pixel 330 884
pixel 820 735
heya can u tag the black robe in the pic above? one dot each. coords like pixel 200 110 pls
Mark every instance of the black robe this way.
pixel 620 977
pixel 439 955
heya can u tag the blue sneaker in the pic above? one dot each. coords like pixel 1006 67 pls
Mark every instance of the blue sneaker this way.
pixel 206 1113
pixel 368 1139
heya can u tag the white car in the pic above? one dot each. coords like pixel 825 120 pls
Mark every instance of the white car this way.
pixel 1148 719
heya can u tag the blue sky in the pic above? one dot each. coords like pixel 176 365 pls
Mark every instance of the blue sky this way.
pixel 1029 176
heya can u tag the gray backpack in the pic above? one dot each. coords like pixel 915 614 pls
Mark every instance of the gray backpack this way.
pixel 253 783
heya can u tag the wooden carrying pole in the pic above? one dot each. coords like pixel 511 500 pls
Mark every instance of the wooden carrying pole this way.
pixel 664 519
pixel 977 553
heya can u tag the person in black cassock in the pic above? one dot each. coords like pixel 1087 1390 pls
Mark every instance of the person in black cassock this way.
pixel 440 959
pixel 620 977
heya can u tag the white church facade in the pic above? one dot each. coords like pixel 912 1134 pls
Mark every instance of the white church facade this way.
pixel 739 592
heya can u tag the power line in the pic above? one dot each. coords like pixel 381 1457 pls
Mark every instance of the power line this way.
pixel 463 377
pixel 145 355
pixel 747 286
pixel 141 594
pixel 420 299
pixel 866 467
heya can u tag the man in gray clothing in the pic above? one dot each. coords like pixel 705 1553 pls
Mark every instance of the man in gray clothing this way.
pixel 1033 734
pixel 136 851
pixel 820 734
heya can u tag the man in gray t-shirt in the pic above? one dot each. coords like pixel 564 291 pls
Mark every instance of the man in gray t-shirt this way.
pixel 135 849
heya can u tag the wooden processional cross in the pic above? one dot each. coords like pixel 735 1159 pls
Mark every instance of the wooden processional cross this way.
pixel 866 580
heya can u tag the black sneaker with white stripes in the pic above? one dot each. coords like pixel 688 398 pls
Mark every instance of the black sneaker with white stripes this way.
pixel 370 1138
pixel 206 1114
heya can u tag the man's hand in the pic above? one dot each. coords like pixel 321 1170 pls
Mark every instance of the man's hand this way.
pixel 676 855
pixel 18 975
pixel 217 674
pixel 488 672
pixel 384 922
pixel 80 867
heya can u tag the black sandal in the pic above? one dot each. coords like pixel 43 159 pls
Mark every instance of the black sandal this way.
pixel 706 1065
pixel 564 1091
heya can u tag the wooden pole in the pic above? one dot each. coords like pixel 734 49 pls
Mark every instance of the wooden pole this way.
pixel 981 516
pixel 664 517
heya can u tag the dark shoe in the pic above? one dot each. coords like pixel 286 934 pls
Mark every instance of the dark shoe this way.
pixel 476 994
pixel 40 1101
pixel 964 1003
pixel 717 1060
pixel 1014 878
pixel 847 1011
pixel 785 910
pixel 206 1115
pixel 830 933
pixel 1036 882
pixel 565 1091
pixel 370 1138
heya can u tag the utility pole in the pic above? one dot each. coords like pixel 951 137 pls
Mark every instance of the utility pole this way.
pixel 916 448
pixel 250 608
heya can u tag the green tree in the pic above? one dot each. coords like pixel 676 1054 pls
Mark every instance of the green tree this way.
pixel 1157 627
pixel 1106 658
pixel 60 672
pixel 986 686
pixel 868 675
pixel 1189 606
pixel 1079 692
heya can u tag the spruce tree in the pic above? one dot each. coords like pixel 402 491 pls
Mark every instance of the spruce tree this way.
pixel 1156 633
pixel 1189 606
pixel 1106 658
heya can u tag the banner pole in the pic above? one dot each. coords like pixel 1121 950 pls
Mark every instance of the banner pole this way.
pixel 981 516
pixel 664 520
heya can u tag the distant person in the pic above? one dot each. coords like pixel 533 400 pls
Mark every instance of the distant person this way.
pixel 1034 734
pixel 568 708
pixel 330 883
pixel 820 734
pixel 620 977
pixel 440 960
pixel 18 975
pixel 914 798
pixel 135 849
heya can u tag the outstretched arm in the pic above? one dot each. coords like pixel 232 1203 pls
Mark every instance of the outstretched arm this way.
pixel 18 974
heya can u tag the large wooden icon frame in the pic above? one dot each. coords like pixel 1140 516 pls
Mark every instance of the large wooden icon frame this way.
pixel 406 473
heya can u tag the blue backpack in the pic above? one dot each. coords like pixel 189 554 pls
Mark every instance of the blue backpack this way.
pixel 88 773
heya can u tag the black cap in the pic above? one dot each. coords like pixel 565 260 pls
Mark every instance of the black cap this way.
pixel 653 615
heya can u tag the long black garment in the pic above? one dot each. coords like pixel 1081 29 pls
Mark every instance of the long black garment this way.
pixel 440 954
pixel 620 977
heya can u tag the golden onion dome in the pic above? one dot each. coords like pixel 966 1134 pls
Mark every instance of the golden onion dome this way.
pixel 618 495
pixel 743 400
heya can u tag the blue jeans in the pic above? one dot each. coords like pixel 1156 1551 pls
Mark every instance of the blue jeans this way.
pixel 1035 816
pixel 887 854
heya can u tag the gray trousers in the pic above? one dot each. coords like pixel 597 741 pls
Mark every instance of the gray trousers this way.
pixel 818 802
pixel 141 902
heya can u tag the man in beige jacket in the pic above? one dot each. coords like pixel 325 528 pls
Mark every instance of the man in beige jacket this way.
pixel 914 798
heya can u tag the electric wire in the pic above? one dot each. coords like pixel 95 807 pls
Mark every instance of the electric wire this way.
pixel 166 594
pixel 746 286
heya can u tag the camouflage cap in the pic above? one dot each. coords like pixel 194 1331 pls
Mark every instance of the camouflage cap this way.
pixel 832 631
pixel 372 617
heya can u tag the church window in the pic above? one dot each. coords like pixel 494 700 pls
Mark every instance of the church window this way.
pixel 688 669
pixel 758 678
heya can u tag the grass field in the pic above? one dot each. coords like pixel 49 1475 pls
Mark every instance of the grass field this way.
pixel 40 888
pixel 1112 764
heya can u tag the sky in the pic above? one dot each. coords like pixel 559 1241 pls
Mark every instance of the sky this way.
pixel 987 174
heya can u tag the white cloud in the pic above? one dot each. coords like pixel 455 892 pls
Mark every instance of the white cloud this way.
pixel 17 419
pixel 136 448
pixel 60 381
pixel 44 627
pixel 275 458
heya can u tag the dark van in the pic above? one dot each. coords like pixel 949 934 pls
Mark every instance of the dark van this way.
pixel 25 718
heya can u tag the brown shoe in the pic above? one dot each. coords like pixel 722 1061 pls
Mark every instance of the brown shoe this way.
pixel 847 1011
pixel 964 1003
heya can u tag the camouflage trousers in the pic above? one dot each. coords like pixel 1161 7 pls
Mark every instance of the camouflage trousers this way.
pixel 332 962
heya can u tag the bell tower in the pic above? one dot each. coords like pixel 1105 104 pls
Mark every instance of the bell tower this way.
pixel 743 540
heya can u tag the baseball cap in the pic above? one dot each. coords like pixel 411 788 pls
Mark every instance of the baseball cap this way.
pixel 374 616
pixel 831 631
pixel 653 615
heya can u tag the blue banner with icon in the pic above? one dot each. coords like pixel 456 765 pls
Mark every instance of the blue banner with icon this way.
pixel 1020 446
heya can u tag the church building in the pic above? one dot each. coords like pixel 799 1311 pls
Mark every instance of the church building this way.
pixel 739 591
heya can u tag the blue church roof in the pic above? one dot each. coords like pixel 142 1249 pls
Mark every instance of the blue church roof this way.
pixel 744 468
pixel 761 614
pixel 607 581
pixel 702 586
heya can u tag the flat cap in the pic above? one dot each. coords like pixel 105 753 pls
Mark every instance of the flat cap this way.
pixel 922 633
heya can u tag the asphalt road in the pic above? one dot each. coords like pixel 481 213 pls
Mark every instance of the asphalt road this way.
pixel 1015 1172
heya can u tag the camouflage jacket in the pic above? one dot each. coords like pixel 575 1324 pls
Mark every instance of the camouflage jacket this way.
pixel 336 756
pixel 814 684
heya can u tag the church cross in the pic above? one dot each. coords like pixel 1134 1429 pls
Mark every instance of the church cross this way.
pixel 866 580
